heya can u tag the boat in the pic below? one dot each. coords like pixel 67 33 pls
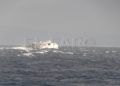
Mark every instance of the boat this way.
pixel 44 45
pixel 38 46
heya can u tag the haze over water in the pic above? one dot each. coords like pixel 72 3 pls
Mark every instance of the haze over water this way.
pixel 96 21
pixel 91 19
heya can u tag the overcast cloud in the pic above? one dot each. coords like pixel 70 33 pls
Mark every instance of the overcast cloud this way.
pixel 97 19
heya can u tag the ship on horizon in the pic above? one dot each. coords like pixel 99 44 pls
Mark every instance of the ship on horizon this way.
pixel 38 45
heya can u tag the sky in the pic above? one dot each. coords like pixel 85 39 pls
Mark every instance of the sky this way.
pixel 60 19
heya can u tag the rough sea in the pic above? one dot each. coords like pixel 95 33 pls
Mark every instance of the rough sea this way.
pixel 63 67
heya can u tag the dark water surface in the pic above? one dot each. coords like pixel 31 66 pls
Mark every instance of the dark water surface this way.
pixel 72 67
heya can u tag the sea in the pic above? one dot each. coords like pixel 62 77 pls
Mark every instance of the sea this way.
pixel 67 66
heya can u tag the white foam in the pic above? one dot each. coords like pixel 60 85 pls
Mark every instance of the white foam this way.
pixel 107 51
pixel 21 48
pixel 1 48
pixel 18 55
pixel 40 52
pixel 56 51
pixel 84 54
pixel 27 54
pixel 93 51
pixel 114 51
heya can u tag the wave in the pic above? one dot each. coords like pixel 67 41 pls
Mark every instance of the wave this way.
pixel 23 51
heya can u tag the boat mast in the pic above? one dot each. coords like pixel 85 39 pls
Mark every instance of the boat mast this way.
pixel 24 42
pixel 35 43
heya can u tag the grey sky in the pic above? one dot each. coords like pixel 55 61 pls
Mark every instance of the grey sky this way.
pixel 97 19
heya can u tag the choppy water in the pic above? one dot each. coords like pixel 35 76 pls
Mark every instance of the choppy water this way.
pixel 64 67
